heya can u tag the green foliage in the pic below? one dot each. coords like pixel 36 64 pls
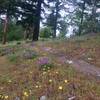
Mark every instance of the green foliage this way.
pixel 63 28
pixel 18 43
pixel 51 20
pixel 85 21
pixel 15 33
pixel 1 27
pixel 46 67
pixel 45 32
pixel 13 58
pixel 90 26
pixel 28 54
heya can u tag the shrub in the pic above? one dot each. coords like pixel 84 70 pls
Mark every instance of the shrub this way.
pixel 46 67
pixel 45 32
pixel 5 51
pixel 15 33
pixel 18 43
pixel 13 57
pixel 29 54
pixel 44 64
pixel 22 55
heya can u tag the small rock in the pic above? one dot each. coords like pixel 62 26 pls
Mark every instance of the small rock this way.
pixel 72 98
pixel 47 48
pixel 89 58
pixel 43 97
pixel 17 98
pixel 69 61
pixel 6 51
pixel 98 75
pixel 29 54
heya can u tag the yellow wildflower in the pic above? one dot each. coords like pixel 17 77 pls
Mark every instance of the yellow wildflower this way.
pixel 57 72
pixel 9 81
pixel 6 97
pixel 60 88
pixel 66 81
pixel 48 70
pixel 44 73
pixel 37 86
pixel 44 69
pixel 0 96
pixel 30 72
pixel 50 81
pixel 26 94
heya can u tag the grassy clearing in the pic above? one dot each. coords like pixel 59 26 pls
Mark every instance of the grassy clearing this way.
pixel 24 79
pixel 87 49
pixel 59 83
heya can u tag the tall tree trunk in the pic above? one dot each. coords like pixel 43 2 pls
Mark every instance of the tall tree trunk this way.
pixel 4 38
pixel 82 16
pixel 27 32
pixel 94 8
pixel 37 21
pixel 56 18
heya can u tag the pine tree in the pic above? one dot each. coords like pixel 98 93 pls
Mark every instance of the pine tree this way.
pixel 6 8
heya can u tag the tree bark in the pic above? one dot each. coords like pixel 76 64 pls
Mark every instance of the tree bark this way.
pixel 27 33
pixel 82 16
pixel 94 8
pixel 4 38
pixel 37 21
pixel 56 18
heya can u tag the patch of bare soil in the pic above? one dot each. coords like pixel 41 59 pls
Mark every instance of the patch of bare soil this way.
pixel 86 68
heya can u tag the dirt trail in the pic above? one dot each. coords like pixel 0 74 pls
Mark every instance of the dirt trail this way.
pixel 86 68
pixel 81 65
pixel 78 64
pixel 4 64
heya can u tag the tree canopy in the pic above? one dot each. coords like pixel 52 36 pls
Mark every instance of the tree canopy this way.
pixel 84 15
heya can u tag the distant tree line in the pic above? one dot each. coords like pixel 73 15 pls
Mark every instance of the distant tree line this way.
pixel 23 17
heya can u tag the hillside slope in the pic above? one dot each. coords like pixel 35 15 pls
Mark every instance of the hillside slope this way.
pixel 31 71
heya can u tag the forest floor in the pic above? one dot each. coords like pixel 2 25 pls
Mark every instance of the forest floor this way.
pixel 56 70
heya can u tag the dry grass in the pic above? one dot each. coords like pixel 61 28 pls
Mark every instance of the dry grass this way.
pixel 26 81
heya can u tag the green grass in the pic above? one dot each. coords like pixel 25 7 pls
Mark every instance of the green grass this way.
pixel 13 58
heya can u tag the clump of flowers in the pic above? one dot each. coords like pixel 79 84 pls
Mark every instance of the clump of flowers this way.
pixel 60 88
pixel 50 81
pixel 2 97
pixel 66 81
pixel 37 86
pixel 44 63
pixel 43 60
pixel 6 97
pixel 9 81
pixel 26 94
pixel 57 72
pixel 29 54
